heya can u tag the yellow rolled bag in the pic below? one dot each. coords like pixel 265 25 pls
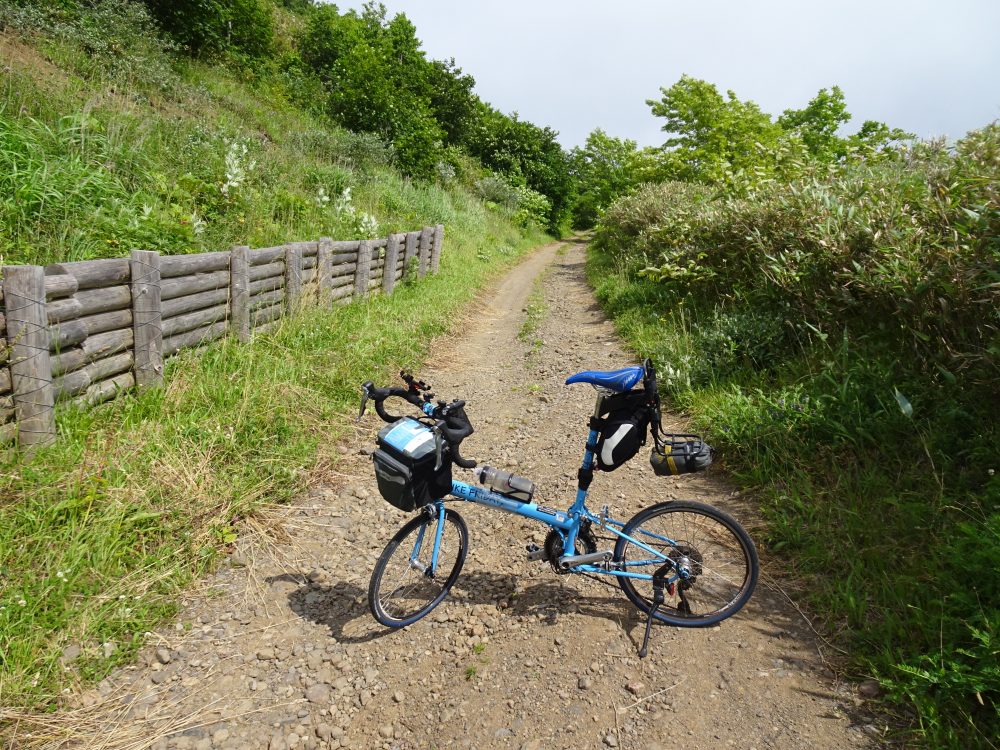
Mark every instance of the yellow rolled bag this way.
pixel 675 454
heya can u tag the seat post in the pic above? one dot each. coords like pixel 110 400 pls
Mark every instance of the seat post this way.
pixel 597 406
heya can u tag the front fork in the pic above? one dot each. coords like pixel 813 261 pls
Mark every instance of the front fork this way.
pixel 437 509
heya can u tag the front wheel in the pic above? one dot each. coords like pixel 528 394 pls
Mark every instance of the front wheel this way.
pixel 706 555
pixel 408 581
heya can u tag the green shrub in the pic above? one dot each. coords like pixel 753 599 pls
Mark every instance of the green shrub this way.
pixel 111 40
pixel 837 337
pixel 212 27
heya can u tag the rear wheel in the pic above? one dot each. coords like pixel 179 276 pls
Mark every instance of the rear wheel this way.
pixel 404 585
pixel 714 552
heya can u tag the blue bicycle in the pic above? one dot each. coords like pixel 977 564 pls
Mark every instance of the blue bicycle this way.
pixel 681 563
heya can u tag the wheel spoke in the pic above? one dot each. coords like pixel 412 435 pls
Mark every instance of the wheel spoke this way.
pixel 402 589
pixel 711 546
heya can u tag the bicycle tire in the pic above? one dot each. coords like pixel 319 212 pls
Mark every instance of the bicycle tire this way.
pixel 665 520
pixel 396 608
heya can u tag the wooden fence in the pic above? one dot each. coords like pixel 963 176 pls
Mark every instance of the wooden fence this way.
pixel 83 332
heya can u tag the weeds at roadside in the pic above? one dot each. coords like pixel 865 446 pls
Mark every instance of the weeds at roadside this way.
pixel 534 313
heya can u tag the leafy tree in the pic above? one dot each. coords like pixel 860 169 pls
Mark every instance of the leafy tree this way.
pixel 377 79
pixel 451 99
pixel 211 27
pixel 603 169
pixel 526 154
pixel 713 136
pixel 818 122
pixel 874 138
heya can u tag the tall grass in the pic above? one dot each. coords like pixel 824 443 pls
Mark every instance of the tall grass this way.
pixel 838 338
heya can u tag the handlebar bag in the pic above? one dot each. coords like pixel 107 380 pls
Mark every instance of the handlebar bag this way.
pixel 404 465
pixel 622 428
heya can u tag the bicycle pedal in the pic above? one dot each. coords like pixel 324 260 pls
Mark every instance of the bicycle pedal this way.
pixel 536 553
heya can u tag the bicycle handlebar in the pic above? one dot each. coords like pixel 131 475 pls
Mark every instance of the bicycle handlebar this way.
pixel 453 424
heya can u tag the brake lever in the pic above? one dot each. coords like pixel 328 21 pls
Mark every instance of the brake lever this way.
pixel 365 395
pixel 438 449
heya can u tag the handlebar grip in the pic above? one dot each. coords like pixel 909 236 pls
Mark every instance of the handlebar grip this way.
pixel 463 462
pixel 381 394
pixel 386 416
pixel 457 426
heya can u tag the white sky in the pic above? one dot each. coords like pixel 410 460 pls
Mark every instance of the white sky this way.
pixel 932 68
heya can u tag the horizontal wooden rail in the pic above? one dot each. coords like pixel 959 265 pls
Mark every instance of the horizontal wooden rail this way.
pixel 85 331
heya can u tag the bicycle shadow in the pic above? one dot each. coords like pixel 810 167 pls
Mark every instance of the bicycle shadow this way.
pixel 343 607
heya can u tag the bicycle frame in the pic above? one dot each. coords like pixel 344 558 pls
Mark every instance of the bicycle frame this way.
pixel 567 522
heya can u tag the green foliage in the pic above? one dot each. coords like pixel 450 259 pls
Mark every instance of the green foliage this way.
pixel 734 145
pixel 213 27
pixel 818 122
pixel 112 40
pixel 525 154
pixel 603 169
pixel 379 81
pixel 838 336
pixel 533 208
pixel 364 70
pixel 713 136
pixel 909 243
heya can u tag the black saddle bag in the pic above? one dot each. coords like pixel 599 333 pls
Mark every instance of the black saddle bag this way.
pixel 623 427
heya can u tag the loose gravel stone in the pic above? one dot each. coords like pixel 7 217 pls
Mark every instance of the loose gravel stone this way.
pixel 318 693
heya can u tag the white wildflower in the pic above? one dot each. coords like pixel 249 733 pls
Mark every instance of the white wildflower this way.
pixel 238 166
pixel 368 225
pixel 197 224
pixel 445 171
pixel 322 197
pixel 343 204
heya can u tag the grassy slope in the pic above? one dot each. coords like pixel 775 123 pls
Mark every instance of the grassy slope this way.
pixel 98 533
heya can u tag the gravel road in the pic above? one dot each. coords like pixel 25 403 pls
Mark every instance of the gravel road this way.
pixel 277 649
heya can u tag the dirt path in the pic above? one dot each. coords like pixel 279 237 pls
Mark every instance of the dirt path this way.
pixel 279 651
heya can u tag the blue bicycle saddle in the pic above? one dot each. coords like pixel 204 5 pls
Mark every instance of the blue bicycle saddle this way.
pixel 615 380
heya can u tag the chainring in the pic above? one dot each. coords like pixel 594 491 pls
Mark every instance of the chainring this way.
pixel 586 543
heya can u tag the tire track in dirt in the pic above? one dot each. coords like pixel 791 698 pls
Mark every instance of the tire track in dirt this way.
pixel 277 650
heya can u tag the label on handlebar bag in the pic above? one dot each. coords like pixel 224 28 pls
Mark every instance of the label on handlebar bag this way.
pixel 409 437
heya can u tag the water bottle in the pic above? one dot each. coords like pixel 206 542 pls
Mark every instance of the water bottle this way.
pixel 498 480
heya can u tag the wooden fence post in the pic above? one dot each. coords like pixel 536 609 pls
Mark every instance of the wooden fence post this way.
pixel 324 271
pixel 425 251
pixel 147 331
pixel 391 259
pixel 30 364
pixel 239 292
pixel 436 248
pixel 412 238
pixel 293 276
pixel 363 270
